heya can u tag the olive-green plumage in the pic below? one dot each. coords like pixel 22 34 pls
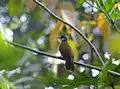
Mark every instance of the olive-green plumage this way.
pixel 67 53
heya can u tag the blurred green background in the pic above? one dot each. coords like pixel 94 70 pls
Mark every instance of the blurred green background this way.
pixel 24 22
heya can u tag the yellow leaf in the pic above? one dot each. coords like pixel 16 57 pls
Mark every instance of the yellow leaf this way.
pixel 54 33
pixel 74 49
pixel 116 5
pixel 90 37
pixel 69 31
pixel 103 26
pixel 114 44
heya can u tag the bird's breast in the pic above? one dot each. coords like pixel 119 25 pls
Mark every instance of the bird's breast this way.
pixel 65 50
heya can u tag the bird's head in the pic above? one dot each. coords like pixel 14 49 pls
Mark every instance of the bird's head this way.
pixel 62 38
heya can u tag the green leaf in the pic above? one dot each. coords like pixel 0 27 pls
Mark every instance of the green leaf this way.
pixel 80 2
pixel 81 79
pixel 8 55
pixel 109 4
pixel 3 86
pixel 15 7
pixel 37 14
pixel 117 86
pixel 106 6
pixel 104 73
pixel 15 24
pixel 115 15
pixel 114 40
pixel 4 82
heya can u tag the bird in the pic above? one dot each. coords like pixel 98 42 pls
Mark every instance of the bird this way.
pixel 66 53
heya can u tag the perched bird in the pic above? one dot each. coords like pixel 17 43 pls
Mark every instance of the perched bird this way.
pixel 66 53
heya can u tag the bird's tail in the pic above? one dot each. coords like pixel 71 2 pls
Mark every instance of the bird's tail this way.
pixel 69 65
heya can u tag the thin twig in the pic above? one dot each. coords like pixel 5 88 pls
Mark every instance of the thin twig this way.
pixel 94 6
pixel 107 15
pixel 74 28
pixel 61 58
pixel 114 25
pixel 99 10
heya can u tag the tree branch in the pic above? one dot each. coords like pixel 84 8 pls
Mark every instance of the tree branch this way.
pixel 61 58
pixel 74 28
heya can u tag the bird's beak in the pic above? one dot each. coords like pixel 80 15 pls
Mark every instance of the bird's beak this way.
pixel 58 37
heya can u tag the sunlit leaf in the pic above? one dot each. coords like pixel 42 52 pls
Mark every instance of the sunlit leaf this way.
pixel 90 37
pixel 109 4
pixel 92 23
pixel 8 55
pixel 15 7
pixel 3 86
pixel 54 33
pixel 114 44
pixel 74 49
pixel 103 26
pixel 115 14
pixel 116 5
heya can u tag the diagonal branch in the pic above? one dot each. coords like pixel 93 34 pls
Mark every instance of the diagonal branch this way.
pixel 61 58
pixel 74 28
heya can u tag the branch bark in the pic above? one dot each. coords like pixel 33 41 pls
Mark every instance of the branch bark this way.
pixel 61 58
pixel 74 28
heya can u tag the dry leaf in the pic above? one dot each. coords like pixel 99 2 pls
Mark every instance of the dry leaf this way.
pixel 103 26
pixel 67 12
pixel 69 31
pixel 54 33
pixel 31 5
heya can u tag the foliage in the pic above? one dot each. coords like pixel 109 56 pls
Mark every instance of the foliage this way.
pixel 25 22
